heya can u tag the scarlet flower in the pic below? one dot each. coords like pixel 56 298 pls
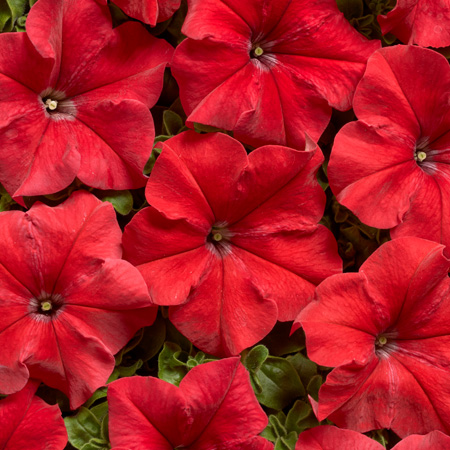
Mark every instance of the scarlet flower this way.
pixel 27 422
pixel 422 22
pixel 214 408
pixel 268 70
pixel 231 242
pixel 147 11
pixel 74 99
pixel 391 167
pixel 387 330
pixel 68 302
pixel 332 438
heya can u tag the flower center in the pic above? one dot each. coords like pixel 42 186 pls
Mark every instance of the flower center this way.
pixel 258 51
pixel 46 305
pixel 420 156
pixel 381 341
pixel 218 239
pixel 51 104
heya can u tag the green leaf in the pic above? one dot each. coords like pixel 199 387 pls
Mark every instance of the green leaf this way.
pixel 280 342
pixel 301 417
pixel 98 394
pixel 280 383
pixel 82 428
pixel 5 200
pixel 199 127
pixel 96 444
pixel 255 358
pixel 304 367
pixel 172 122
pixel 100 411
pixel 121 200
pixel 287 442
pixel 351 8
pixel 314 386
pixel 172 363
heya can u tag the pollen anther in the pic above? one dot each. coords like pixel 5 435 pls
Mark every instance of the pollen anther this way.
pixel 46 306
pixel 217 237
pixel 420 156
pixel 382 340
pixel 51 104
pixel 258 51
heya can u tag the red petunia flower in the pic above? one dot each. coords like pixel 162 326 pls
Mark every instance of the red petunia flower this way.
pixel 231 241
pixel 147 11
pixel 421 22
pixel 68 302
pixel 392 167
pixel 269 70
pixel 28 423
pixel 327 437
pixel 387 329
pixel 214 408
pixel 75 98
pixel 332 438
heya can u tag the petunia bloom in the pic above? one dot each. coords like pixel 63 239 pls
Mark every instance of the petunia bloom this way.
pixel 332 438
pixel 387 330
pixel 231 242
pixel 74 99
pixel 27 422
pixel 214 408
pixel 68 302
pixel 147 11
pixel 422 22
pixel 268 70
pixel 391 167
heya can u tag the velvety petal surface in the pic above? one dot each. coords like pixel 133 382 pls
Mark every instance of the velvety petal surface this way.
pixel 422 22
pixel 149 11
pixel 69 257
pixel 227 312
pixel 331 438
pixel 434 440
pixel 28 422
pixel 214 407
pixel 386 330
pixel 398 178
pixel 297 76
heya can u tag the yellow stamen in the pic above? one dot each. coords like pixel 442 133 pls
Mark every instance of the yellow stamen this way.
pixel 258 51
pixel 420 156
pixel 217 237
pixel 46 306
pixel 382 340
pixel 51 104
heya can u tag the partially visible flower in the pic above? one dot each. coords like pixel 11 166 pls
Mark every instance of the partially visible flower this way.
pixel 392 166
pixel 270 70
pixel 327 437
pixel 68 302
pixel 387 330
pixel 231 242
pixel 332 438
pixel 214 408
pixel 422 22
pixel 74 99
pixel 147 11
pixel 28 423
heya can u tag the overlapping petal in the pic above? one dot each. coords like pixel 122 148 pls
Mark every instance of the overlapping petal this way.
pixel 422 22
pixel 223 256
pixel 214 408
pixel 28 422
pixel 391 167
pixel 283 90
pixel 68 301
pixel 102 82
pixel 386 329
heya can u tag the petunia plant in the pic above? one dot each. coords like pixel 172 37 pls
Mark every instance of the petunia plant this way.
pixel 181 181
